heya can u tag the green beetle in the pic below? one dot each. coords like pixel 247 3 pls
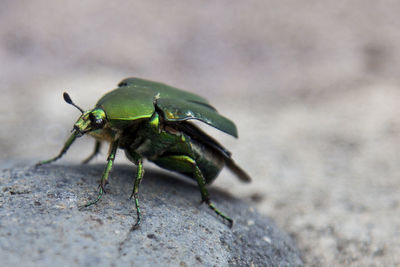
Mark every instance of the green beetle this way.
pixel 151 120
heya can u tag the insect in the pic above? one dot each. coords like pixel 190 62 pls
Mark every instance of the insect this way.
pixel 151 120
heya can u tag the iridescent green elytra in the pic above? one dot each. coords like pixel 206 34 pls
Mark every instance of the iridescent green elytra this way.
pixel 150 120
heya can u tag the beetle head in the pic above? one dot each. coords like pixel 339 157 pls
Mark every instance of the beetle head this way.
pixel 90 120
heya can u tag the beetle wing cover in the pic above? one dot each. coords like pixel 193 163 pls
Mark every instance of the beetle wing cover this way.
pixel 175 109
pixel 165 91
pixel 135 98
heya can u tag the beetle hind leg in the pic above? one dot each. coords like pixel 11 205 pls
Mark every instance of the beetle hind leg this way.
pixel 205 196
pixel 186 164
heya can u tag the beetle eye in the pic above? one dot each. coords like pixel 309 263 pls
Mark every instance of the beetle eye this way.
pixel 96 123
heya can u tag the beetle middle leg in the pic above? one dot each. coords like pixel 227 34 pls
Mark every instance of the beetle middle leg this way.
pixel 104 178
pixel 185 164
pixel 135 191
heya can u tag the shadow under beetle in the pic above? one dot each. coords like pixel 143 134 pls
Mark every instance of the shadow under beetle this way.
pixel 151 120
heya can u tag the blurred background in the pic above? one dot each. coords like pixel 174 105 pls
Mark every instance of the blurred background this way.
pixel 313 87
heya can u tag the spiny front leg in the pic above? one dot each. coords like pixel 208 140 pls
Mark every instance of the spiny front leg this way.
pixel 110 160
pixel 135 191
pixel 66 146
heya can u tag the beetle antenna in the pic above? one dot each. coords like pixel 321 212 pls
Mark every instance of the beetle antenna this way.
pixel 68 99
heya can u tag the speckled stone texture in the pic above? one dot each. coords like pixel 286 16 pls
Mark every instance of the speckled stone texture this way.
pixel 41 224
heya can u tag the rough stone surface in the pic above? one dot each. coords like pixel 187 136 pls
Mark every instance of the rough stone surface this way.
pixel 40 223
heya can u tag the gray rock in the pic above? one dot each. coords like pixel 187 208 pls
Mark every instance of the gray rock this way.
pixel 40 223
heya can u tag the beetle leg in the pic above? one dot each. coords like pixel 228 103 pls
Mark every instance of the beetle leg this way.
pixel 185 164
pixel 135 191
pixel 96 150
pixel 104 178
pixel 205 196
pixel 66 146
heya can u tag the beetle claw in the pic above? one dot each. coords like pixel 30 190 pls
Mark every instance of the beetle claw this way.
pixel 136 225
pixel 204 200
